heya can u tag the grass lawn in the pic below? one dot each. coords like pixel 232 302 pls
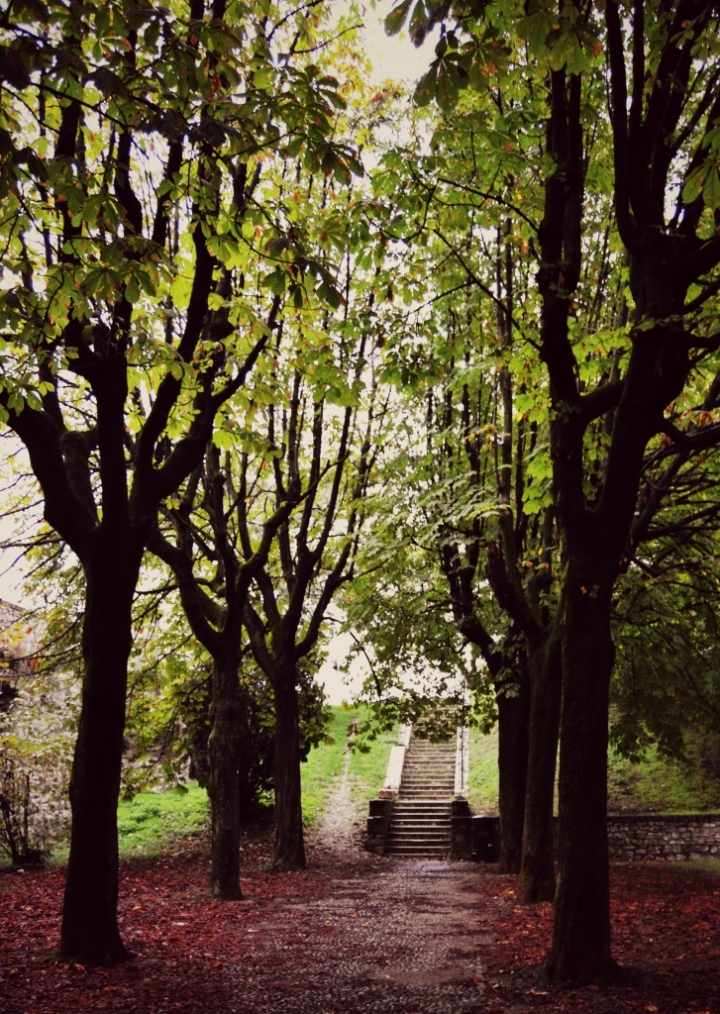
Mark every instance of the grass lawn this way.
pixel 367 770
pixel 655 785
pixel 323 768
pixel 153 822
pixel 483 773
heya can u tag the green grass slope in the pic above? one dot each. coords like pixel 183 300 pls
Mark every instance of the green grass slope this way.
pixel 654 785
pixel 154 822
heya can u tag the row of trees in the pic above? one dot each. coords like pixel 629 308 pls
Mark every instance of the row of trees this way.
pixel 587 216
pixel 156 165
pixel 231 352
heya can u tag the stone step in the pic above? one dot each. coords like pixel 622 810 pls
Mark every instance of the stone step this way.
pixel 433 786
pixel 419 830
pixel 420 771
pixel 431 837
pixel 424 794
pixel 417 850
pixel 413 752
pixel 439 782
pixel 423 776
pixel 429 822
pixel 422 837
pixel 421 815
pixel 421 818
pixel 409 828
pixel 422 806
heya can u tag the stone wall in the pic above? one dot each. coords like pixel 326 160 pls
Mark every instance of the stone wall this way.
pixel 645 836
pixel 650 837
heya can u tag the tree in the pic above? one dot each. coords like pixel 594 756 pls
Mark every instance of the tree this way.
pixel 128 137
pixel 666 189
pixel 489 498
pixel 323 438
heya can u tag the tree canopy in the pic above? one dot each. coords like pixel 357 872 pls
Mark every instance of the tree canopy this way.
pixel 456 363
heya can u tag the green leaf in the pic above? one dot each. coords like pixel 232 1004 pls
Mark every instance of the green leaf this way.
pixel 711 189
pixel 132 290
pixel 537 26
pixel 693 185
pixel 330 294
pixel 396 18
pixel 567 51
pixel 448 80
pixel 294 146
pixel 426 86
pixel 275 281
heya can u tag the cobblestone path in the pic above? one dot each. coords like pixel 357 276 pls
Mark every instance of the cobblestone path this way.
pixel 389 935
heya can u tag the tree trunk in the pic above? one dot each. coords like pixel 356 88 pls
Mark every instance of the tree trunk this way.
pixel 513 719
pixel 289 845
pixel 90 932
pixel 251 749
pixel 537 870
pixel 581 932
pixel 223 755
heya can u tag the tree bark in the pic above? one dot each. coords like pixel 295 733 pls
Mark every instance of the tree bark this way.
pixel 581 931
pixel 289 844
pixel 537 868
pixel 89 924
pixel 513 730
pixel 223 782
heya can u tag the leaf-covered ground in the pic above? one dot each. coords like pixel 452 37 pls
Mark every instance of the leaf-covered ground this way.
pixel 321 941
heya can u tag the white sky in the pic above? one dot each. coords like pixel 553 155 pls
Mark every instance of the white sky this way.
pixel 398 59
pixel 394 57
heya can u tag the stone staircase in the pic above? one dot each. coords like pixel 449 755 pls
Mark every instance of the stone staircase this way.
pixel 421 822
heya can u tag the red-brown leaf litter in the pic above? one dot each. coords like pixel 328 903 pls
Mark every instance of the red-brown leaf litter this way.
pixel 196 955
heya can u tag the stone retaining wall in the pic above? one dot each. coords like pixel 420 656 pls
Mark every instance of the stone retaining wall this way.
pixel 647 837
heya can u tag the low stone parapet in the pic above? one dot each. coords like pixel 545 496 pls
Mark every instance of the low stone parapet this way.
pixel 378 823
pixel 460 829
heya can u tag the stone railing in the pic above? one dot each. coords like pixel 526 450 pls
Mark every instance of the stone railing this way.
pixel 462 763
pixel 381 808
pixel 396 762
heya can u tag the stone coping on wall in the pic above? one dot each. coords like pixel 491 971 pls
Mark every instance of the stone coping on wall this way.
pixel 663 818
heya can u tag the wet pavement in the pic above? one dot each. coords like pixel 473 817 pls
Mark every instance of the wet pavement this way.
pixel 392 935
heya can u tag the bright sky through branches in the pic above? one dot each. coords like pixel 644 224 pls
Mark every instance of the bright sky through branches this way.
pixel 394 57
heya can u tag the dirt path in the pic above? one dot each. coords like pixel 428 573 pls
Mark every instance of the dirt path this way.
pixel 386 935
